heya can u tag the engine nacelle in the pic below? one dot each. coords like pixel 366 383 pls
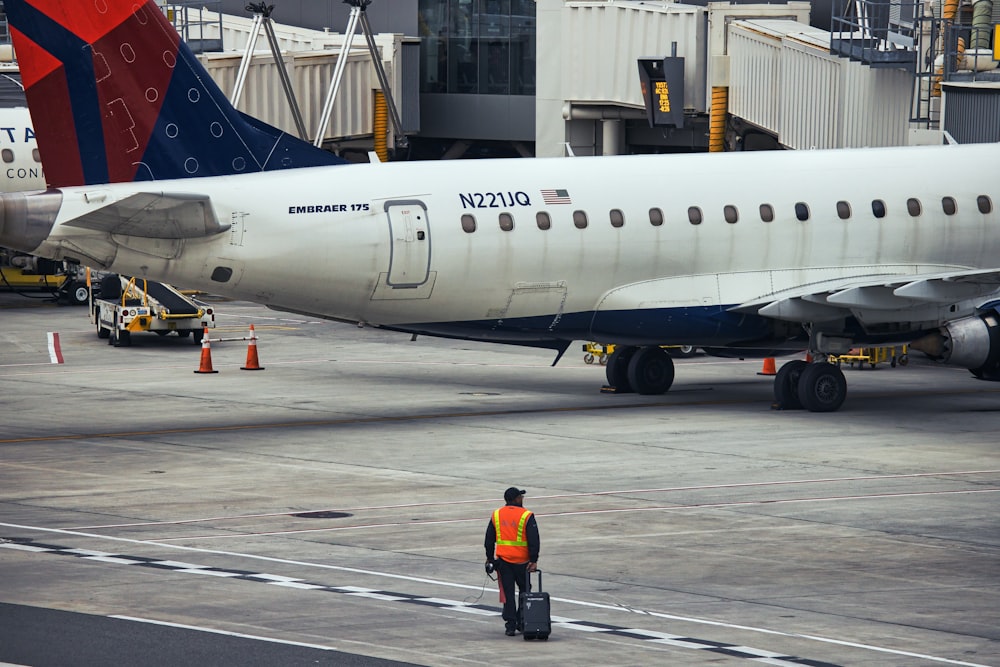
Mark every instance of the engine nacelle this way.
pixel 971 342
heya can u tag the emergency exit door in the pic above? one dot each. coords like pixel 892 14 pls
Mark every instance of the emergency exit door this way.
pixel 410 238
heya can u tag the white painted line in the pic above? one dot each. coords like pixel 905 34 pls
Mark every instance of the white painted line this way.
pixel 583 603
pixel 561 496
pixel 222 632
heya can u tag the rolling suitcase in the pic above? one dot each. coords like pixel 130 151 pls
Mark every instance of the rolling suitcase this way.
pixel 536 621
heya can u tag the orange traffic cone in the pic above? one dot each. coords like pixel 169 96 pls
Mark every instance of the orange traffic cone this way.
pixel 768 368
pixel 206 355
pixel 252 363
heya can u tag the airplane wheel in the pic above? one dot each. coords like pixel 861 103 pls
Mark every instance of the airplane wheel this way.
pixel 786 385
pixel 81 294
pixel 651 371
pixel 588 358
pixel 617 368
pixel 683 351
pixel 822 388
pixel 120 338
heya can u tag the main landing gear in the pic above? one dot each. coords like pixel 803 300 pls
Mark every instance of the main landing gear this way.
pixel 818 386
pixel 815 386
pixel 644 370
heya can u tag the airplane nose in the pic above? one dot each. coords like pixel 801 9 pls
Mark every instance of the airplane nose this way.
pixel 27 219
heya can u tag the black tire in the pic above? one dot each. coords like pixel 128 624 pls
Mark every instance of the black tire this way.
pixel 786 385
pixel 79 293
pixel 822 388
pixel 617 368
pixel 121 338
pixel 651 371
pixel 102 333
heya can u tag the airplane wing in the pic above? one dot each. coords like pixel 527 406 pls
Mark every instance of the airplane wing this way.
pixel 874 298
pixel 155 215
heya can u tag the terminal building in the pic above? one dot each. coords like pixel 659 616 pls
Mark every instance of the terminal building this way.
pixel 478 78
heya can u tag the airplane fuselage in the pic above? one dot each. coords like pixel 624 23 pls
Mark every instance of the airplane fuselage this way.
pixel 636 249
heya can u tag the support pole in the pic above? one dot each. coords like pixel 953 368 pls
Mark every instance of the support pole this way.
pixel 262 17
pixel 338 75
pixel 383 80
pixel 241 74
pixel 358 15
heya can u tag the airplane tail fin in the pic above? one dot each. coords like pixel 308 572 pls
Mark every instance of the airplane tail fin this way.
pixel 116 96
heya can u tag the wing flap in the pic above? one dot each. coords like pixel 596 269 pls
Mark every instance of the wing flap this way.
pixel 874 297
pixel 155 215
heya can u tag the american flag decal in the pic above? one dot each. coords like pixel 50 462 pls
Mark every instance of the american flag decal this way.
pixel 556 197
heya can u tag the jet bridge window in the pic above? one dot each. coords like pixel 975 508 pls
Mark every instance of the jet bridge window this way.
pixel 949 206
pixel 543 220
pixel 468 223
pixel 878 208
pixel 985 204
pixel 843 210
pixel 913 207
pixel 655 217
pixel 802 211
pixel 617 217
pixel 731 214
pixel 766 213
pixel 580 219
pixel 694 215
pixel 506 222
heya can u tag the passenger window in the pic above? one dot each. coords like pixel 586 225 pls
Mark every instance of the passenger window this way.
pixel 655 217
pixel 843 210
pixel 913 206
pixel 506 222
pixel 617 218
pixel 7 154
pixel 802 211
pixel 985 204
pixel 878 208
pixel 949 206
pixel 694 215
pixel 35 156
pixel 580 219
pixel 543 220
pixel 732 215
pixel 468 223
pixel 766 213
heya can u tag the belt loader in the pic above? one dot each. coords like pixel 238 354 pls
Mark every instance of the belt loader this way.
pixel 127 305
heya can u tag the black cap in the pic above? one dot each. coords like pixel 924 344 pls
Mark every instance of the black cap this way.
pixel 513 492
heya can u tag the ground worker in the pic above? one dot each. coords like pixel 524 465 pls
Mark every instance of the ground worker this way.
pixel 512 548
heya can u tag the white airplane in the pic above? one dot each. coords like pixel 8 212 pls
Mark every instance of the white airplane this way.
pixel 19 158
pixel 154 174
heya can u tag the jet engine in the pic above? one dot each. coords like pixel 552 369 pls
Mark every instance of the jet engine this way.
pixel 971 342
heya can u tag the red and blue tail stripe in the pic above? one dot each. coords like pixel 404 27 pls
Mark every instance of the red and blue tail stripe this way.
pixel 116 96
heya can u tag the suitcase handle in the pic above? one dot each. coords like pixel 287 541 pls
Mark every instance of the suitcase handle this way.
pixel 527 578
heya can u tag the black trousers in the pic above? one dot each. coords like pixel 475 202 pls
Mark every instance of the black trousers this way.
pixel 510 574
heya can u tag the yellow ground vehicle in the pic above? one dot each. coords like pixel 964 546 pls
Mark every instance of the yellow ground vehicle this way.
pixel 873 356
pixel 128 305
pixel 25 273
pixel 592 351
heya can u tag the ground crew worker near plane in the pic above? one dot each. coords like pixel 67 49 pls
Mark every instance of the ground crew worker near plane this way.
pixel 512 546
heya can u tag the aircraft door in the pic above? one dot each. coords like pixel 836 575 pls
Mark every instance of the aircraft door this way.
pixel 410 239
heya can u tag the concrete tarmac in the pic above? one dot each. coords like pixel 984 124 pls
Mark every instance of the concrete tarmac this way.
pixel 338 499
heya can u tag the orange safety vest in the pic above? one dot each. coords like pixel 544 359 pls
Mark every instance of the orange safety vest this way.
pixel 512 544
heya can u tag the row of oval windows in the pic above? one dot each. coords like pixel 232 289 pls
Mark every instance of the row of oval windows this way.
pixel 731 214
pixel 7 155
